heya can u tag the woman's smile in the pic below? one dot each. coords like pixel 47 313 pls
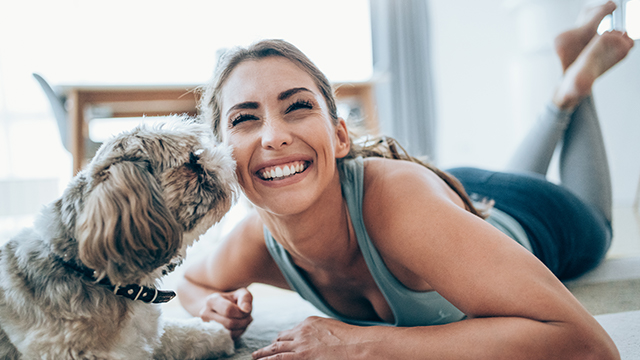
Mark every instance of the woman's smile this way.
pixel 280 172
pixel 284 171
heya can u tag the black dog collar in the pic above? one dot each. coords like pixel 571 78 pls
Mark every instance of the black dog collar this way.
pixel 132 291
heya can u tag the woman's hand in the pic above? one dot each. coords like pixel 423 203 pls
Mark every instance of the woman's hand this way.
pixel 231 309
pixel 315 338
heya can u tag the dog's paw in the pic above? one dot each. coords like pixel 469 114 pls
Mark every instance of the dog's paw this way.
pixel 193 339
pixel 220 339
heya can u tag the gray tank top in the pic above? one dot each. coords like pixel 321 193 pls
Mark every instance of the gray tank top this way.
pixel 409 308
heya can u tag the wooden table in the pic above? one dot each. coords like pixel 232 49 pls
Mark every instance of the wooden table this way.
pixel 162 100
pixel 122 101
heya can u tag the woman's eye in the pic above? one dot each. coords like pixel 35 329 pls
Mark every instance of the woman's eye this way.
pixel 301 104
pixel 242 118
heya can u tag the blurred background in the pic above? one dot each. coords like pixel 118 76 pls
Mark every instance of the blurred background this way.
pixel 471 76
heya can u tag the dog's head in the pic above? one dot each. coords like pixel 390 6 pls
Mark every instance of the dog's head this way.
pixel 146 196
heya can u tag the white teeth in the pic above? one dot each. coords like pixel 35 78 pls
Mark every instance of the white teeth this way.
pixel 278 172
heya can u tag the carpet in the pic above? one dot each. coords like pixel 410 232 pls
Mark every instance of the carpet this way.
pixel 608 297
pixel 274 314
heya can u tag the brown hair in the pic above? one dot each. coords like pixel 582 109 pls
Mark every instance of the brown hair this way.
pixel 386 147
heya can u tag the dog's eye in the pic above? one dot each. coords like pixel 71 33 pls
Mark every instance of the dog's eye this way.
pixel 150 168
pixel 194 157
pixel 193 163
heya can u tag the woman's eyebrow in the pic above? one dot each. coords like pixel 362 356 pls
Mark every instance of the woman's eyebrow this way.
pixel 250 105
pixel 288 93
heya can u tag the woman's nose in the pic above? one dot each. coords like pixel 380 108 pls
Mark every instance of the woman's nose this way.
pixel 275 134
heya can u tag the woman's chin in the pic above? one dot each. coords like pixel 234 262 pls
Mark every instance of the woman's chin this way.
pixel 283 200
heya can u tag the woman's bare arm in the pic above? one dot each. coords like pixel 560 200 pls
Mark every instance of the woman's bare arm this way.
pixel 241 260
pixel 516 308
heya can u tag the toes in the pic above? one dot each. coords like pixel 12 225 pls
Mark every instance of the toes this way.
pixel 594 15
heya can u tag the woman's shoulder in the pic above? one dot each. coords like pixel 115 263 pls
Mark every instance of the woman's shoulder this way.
pixel 398 190
pixel 385 177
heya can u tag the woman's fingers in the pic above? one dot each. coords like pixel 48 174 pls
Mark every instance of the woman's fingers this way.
pixel 244 299
pixel 226 306
pixel 277 350
pixel 230 323
pixel 232 310
pixel 286 335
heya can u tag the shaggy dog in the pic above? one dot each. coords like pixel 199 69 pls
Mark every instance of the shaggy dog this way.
pixel 81 284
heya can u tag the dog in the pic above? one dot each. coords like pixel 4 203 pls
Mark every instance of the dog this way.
pixel 82 282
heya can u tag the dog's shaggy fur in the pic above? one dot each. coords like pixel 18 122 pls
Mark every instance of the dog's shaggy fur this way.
pixel 130 215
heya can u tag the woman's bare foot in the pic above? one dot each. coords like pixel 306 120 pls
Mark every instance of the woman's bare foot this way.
pixel 570 43
pixel 600 55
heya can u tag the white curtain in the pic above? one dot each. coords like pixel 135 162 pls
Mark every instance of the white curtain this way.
pixel 402 68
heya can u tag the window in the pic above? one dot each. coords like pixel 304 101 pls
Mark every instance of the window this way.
pixel 625 18
pixel 632 19
pixel 142 42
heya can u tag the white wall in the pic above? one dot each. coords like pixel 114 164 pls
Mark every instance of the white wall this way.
pixel 495 69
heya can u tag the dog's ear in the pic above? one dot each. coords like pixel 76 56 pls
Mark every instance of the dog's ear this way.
pixel 125 230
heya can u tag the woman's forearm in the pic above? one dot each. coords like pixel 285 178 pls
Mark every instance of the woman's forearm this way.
pixel 192 296
pixel 485 338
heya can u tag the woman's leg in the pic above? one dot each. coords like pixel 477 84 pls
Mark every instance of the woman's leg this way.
pixel 572 118
pixel 584 168
pixel 535 152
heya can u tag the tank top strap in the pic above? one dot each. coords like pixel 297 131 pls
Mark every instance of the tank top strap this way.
pixel 408 307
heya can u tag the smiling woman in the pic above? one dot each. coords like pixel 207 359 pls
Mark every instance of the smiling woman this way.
pixel 393 250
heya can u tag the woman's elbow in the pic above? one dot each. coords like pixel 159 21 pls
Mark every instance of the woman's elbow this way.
pixel 597 346
pixel 606 351
pixel 185 290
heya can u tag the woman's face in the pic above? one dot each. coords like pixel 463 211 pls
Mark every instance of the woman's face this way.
pixel 283 139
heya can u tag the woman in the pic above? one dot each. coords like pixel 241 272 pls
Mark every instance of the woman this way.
pixel 375 241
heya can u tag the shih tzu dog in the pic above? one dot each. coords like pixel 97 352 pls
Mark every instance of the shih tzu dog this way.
pixel 81 284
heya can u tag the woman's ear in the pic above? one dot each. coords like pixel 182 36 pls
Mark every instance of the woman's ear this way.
pixel 343 143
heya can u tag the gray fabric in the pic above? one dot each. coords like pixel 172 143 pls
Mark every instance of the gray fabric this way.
pixel 584 168
pixel 536 150
pixel 401 53
pixel 510 227
pixel 298 282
